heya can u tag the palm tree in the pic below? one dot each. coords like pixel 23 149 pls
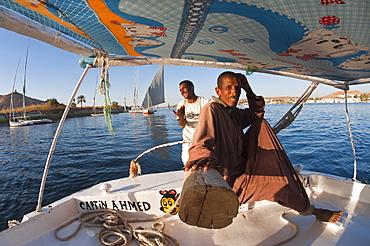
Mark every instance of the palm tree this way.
pixel 81 99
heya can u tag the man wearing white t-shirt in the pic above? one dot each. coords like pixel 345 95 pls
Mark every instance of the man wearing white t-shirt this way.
pixel 187 114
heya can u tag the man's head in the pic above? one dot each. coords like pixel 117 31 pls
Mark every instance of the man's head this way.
pixel 187 89
pixel 228 88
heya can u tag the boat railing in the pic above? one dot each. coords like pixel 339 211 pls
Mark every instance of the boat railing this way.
pixel 135 168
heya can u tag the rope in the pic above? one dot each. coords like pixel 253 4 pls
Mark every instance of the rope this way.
pixel 104 89
pixel 117 230
pixel 289 117
pixel 135 168
pixel 291 224
pixel 155 236
pixel 12 223
pixel 249 70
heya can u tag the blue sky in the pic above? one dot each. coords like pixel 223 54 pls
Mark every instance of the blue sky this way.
pixel 53 73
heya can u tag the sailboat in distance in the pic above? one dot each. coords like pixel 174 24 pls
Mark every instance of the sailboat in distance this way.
pixel 135 108
pixel 155 93
pixel 23 120
pixel 13 120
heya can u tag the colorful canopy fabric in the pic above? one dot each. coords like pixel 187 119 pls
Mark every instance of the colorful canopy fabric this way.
pixel 327 39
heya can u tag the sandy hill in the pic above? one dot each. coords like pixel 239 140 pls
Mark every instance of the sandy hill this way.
pixel 333 95
pixel 338 93
pixel 17 101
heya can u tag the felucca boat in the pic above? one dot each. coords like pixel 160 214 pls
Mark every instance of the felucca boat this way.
pixel 323 41
pixel 24 120
pixel 155 93
pixel 19 120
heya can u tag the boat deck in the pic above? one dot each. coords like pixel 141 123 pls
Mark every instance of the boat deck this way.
pixel 265 224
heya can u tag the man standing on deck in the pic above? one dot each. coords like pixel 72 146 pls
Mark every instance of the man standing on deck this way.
pixel 187 114
pixel 254 164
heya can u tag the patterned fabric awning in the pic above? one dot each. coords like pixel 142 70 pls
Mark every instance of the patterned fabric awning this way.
pixel 327 39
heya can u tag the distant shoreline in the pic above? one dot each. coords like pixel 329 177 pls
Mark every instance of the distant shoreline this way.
pixel 56 114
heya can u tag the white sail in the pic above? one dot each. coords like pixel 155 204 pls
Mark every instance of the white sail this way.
pixel 155 93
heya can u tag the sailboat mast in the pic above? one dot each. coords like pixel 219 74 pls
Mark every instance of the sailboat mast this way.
pixel 136 78
pixel 124 103
pixel 11 97
pixel 24 80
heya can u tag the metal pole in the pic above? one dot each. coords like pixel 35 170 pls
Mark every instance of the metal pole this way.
pixel 56 136
pixel 351 138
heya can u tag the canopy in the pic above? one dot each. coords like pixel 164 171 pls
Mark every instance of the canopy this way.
pixel 321 40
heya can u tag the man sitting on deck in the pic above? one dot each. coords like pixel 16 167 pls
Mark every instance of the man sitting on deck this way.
pixel 254 164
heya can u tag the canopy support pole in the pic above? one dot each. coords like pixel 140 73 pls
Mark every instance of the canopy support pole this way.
pixel 289 117
pixel 56 136
pixel 351 137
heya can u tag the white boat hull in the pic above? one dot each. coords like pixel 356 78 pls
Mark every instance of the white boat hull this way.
pixel 95 115
pixel 138 111
pixel 42 121
pixel 148 111
pixel 20 123
pixel 263 225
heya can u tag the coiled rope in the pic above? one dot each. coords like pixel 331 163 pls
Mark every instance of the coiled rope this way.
pixel 117 230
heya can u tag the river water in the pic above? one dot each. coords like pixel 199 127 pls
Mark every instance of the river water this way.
pixel 87 154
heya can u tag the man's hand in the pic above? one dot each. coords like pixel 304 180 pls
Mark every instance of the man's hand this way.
pixel 205 163
pixel 244 84
pixel 180 112
pixel 243 81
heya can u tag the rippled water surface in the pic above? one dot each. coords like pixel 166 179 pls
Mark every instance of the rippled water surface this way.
pixel 87 153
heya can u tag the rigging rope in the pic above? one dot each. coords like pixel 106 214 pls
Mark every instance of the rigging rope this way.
pixel 104 89
pixel 249 70
pixel 290 116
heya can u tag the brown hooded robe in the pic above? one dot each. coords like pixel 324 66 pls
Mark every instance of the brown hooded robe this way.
pixel 254 163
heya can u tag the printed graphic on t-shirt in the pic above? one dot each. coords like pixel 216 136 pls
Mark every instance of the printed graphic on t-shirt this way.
pixel 191 116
